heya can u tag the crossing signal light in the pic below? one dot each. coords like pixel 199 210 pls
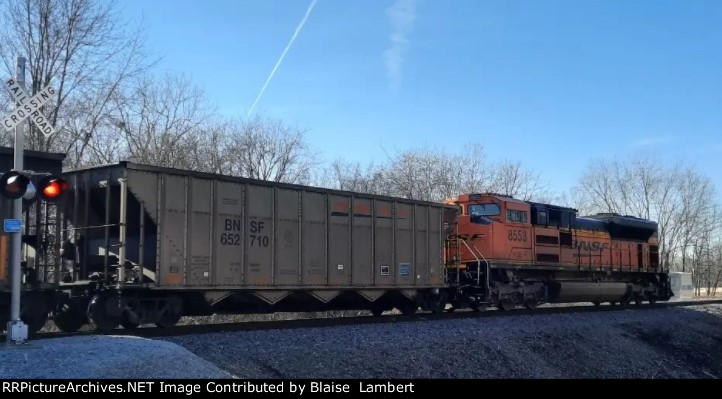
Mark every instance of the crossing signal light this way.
pixel 14 185
pixel 30 186
pixel 51 188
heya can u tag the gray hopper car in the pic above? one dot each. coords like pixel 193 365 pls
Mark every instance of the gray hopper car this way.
pixel 176 242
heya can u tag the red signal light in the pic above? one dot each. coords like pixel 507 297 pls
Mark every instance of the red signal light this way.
pixel 52 188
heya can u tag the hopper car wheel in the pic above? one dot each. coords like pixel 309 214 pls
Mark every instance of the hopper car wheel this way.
pixel 34 312
pixel 171 314
pixel 4 318
pixel 652 300
pixel 104 312
pixel 531 304
pixel 377 311
pixel 596 303
pixel 408 309
pixel 70 315
pixel 437 303
pixel 129 320
pixel 638 301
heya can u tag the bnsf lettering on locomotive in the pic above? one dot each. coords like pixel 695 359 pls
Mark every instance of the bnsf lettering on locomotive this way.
pixel 465 237
pixel 590 246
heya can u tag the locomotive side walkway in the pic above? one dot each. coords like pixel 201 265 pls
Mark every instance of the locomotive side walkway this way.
pixel 683 342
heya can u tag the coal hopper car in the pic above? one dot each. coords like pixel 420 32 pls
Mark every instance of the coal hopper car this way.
pixel 149 245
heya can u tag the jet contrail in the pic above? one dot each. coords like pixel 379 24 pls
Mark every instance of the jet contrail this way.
pixel 280 60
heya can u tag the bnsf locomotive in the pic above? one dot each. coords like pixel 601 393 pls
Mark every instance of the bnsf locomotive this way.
pixel 509 253
pixel 133 244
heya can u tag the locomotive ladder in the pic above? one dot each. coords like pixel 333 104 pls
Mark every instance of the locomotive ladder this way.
pixel 478 265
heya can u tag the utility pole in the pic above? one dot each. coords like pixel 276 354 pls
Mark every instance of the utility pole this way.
pixel 17 331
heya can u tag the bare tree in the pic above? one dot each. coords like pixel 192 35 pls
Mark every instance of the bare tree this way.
pixel 511 178
pixel 159 122
pixel 268 149
pixel 681 200
pixel 352 176
pixel 432 174
pixel 82 48
pixel 207 148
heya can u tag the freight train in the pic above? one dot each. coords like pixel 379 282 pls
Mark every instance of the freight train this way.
pixel 134 244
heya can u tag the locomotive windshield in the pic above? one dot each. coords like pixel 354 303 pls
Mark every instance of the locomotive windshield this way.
pixel 484 210
pixel 480 212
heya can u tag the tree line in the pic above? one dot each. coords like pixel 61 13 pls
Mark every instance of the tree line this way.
pixel 113 104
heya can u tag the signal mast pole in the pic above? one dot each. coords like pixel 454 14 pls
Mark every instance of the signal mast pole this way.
pixel 17 331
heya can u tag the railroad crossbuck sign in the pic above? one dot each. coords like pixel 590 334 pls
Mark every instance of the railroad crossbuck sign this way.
pixel 28 107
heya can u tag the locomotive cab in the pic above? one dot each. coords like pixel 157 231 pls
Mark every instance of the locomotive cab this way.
pixel 493 226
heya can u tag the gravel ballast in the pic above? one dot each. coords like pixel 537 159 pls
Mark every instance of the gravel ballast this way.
pixel 104 357
pixel 683 342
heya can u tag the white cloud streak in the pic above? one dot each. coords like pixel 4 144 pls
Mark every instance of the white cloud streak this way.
pixel 401 16
pixel 283 55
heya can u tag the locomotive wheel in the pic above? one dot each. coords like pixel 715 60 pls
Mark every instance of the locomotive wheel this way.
pixel 128 325
pixel 531 304
pixel 652 300
pixel 171 314
pixel 129 320
pixel 104 312
pixel 34 312
pixel 637 301
pixel 437 303
pixel 505 305
pixel 596 303
pixel 70 315
pixel 624 302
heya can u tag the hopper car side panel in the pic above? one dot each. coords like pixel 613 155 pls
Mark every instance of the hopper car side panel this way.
pixel 214 233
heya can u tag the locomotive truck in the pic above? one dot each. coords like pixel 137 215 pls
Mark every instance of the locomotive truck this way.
pixel 142 244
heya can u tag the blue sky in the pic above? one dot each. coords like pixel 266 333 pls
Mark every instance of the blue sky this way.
pixel 549 82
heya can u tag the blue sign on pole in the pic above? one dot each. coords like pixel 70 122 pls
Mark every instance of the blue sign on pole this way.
pixel 13 225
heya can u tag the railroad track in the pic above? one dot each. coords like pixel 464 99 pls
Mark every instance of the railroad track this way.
pixel 190 329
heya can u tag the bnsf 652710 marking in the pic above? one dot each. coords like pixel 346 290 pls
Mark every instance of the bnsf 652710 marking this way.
pixel 256 239
pixel 230 237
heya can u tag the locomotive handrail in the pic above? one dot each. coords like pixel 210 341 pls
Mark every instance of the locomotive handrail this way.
pixel 487 269
pixel 478 261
